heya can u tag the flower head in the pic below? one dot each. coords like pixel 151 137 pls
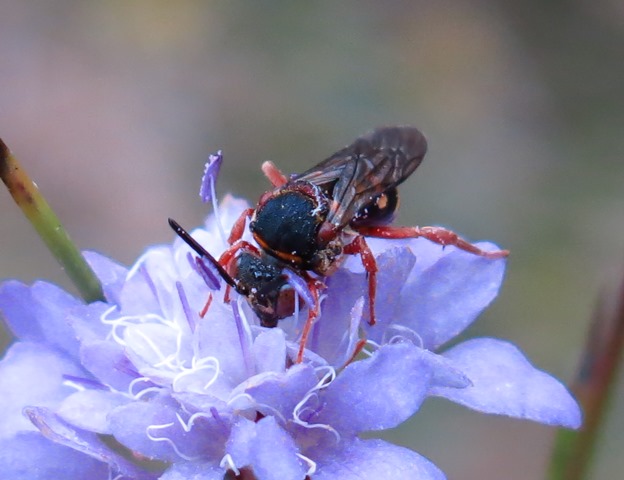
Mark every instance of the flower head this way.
pixel 167 381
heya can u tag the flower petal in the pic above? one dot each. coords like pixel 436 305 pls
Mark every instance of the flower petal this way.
pixel 31 374
pixel 86 322
pixel 394 266
pixel 88 409
pixel 505 383
pixel 18 312
pixel 39 313
pixel 57 430
pixel 133 424
pixel 266 448
pixel 331 334
pixel 112 275
pixel 373 460
pixel 441 301
pixel 30 456
pixel 162 431
pixel 54 305
pixel 194 471
pixel 273 392
pixel 218 337
pixel 159 272
pixel 350 338
pixel 376 393
pixel 108 362
pixel 269 351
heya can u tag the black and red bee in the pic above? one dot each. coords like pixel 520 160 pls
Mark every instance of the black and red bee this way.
pixel 310 221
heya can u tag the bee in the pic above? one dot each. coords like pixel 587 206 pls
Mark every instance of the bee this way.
pixel 310 221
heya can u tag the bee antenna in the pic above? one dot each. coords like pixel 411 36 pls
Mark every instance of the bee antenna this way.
pixel 202 252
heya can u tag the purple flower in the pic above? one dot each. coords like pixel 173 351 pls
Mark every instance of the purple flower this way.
pixel 144 387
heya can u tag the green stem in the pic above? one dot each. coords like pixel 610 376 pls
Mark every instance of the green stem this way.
pixel 48 226
pixel 573 450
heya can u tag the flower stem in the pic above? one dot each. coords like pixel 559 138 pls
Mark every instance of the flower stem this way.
pixel 573 451
pixel 48 226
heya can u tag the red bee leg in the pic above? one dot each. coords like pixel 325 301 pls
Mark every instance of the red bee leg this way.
pixel 239 226
pixel 359 246
pixel 274 175
pixel 438 235
pixel 228 256
pixel 313 314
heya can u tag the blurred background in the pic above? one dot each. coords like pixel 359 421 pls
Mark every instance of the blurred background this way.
pixel 113 107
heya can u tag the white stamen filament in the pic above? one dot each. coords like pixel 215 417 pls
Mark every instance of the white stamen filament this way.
pixel 374 345
pixel 137 266
pixel 299 408
pixel 110 474
pixel 296 313
pixel 168 440
pixel 228 461
pixel 311 464
pixel 127 321
pixel 241 311
pixel 253 404
pixel 215 209
pixel 72 384
pixel 145 391
pixel 187 426
pixel 245 335
pixel 164 360
pixel 206 363
pixel 134 382
pixel 404 334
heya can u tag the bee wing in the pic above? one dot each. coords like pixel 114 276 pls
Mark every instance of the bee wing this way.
pixel 374 163
pixel 328 172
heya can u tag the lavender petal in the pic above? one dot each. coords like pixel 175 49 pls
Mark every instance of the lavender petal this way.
pixel 57 430
pixel 377 393
pixel 266 448
pixel 24 381
pixel 38 313
pixel 440 301
pixel 505 383
pixel 111 274
pixel 194 471
pixel 372 460
pixel 31 456
pixel 89 409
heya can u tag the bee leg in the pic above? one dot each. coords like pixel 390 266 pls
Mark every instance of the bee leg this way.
pixel 359 246
pixel 239 226
pixel 313 314
pixel 226 258
pixel 438 235
pixel 274 175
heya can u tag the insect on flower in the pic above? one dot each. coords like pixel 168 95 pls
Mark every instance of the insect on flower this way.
pixel 310 221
